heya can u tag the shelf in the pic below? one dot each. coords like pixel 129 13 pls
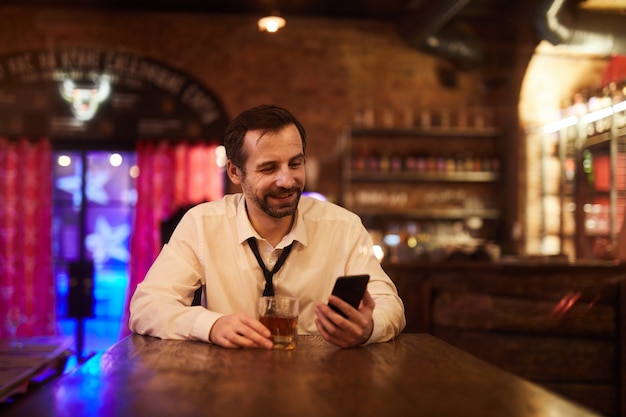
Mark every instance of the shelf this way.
pixel 596 193
pixel 440 214
pixel 424 176
pixel 452 132
pixel 603 193
pixel 397 177
pixel 605 154
pixel 597 139
pixel 595 234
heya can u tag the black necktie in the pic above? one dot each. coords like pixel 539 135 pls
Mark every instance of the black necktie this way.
pixel 269 286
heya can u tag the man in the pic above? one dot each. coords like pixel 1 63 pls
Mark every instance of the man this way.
pixel 212 247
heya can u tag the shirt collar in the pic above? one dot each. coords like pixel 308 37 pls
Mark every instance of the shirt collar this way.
pixel 245 229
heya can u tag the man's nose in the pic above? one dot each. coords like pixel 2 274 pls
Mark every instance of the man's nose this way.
pixel 285 178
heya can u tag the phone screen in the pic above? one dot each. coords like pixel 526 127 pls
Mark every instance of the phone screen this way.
pixel 351 289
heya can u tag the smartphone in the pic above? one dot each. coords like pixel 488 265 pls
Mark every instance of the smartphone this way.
pixel 350 289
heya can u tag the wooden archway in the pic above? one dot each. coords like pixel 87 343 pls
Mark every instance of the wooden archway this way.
pixel 147 99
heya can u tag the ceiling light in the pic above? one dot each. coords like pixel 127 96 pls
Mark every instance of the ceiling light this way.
pixel 271 23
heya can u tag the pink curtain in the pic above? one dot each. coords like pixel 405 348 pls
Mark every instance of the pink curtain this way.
pixel 170 176
pixel 27 291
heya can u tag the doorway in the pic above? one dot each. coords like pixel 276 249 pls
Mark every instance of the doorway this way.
pixel 94 196
pixel 85 104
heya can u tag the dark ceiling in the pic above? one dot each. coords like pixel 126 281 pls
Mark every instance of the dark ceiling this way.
pixel 464 29
pixel 359 9
pixel 468 33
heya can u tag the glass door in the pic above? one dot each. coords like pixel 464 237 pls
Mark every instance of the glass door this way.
pixel 93 206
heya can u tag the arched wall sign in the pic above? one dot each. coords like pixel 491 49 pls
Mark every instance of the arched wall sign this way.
pixel 103 98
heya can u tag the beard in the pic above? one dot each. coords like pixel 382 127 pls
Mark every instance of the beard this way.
pixel 281 210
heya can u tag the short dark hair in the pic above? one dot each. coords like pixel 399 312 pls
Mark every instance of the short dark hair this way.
pixel 267 118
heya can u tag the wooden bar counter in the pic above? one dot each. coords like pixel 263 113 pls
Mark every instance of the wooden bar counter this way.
pixel 558 324
pixel 414 375
pixel 24 361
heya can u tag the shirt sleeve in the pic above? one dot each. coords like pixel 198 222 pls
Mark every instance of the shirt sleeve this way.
pixel 389 315
pixel 160 306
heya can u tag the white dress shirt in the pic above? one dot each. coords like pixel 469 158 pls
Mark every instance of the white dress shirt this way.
pixel 209 248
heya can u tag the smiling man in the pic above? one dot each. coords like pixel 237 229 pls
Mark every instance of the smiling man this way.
pixel 221 245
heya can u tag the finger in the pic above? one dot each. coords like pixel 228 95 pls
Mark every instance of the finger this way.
pixel 327 314
pixel 356 319
pixel 239 340
pixel 346 308
pixel 256 326
pixel 252 333
pixel 240 330
pixel 245 341
pixel 330 337
pixel 334 320
pixel 347 332
pixel 335 328
pixel 368 301
pixel 224 340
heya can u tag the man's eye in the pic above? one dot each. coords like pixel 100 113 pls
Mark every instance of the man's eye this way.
pixel 295 164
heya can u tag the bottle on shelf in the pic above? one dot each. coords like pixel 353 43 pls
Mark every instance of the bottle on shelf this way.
pixel 436 190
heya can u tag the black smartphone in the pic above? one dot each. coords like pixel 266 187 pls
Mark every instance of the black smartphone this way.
pixel 350 289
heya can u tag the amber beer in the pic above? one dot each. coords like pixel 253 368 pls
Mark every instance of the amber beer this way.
pixel 284 330
pixel 280 316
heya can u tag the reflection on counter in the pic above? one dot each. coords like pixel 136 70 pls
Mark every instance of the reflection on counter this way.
pixel 433 241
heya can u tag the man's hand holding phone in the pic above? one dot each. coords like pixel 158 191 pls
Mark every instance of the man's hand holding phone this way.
pixel 347 318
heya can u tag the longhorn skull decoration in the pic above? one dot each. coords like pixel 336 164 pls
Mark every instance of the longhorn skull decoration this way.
pixel 85 99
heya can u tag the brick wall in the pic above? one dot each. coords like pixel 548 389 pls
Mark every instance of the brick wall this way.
pixel 324 70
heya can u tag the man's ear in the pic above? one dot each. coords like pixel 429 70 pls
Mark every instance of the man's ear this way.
pixel 233 173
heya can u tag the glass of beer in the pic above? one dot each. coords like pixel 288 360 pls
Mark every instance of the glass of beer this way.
pixel 280 315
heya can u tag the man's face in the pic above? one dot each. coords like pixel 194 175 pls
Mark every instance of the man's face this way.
pixel 274 172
